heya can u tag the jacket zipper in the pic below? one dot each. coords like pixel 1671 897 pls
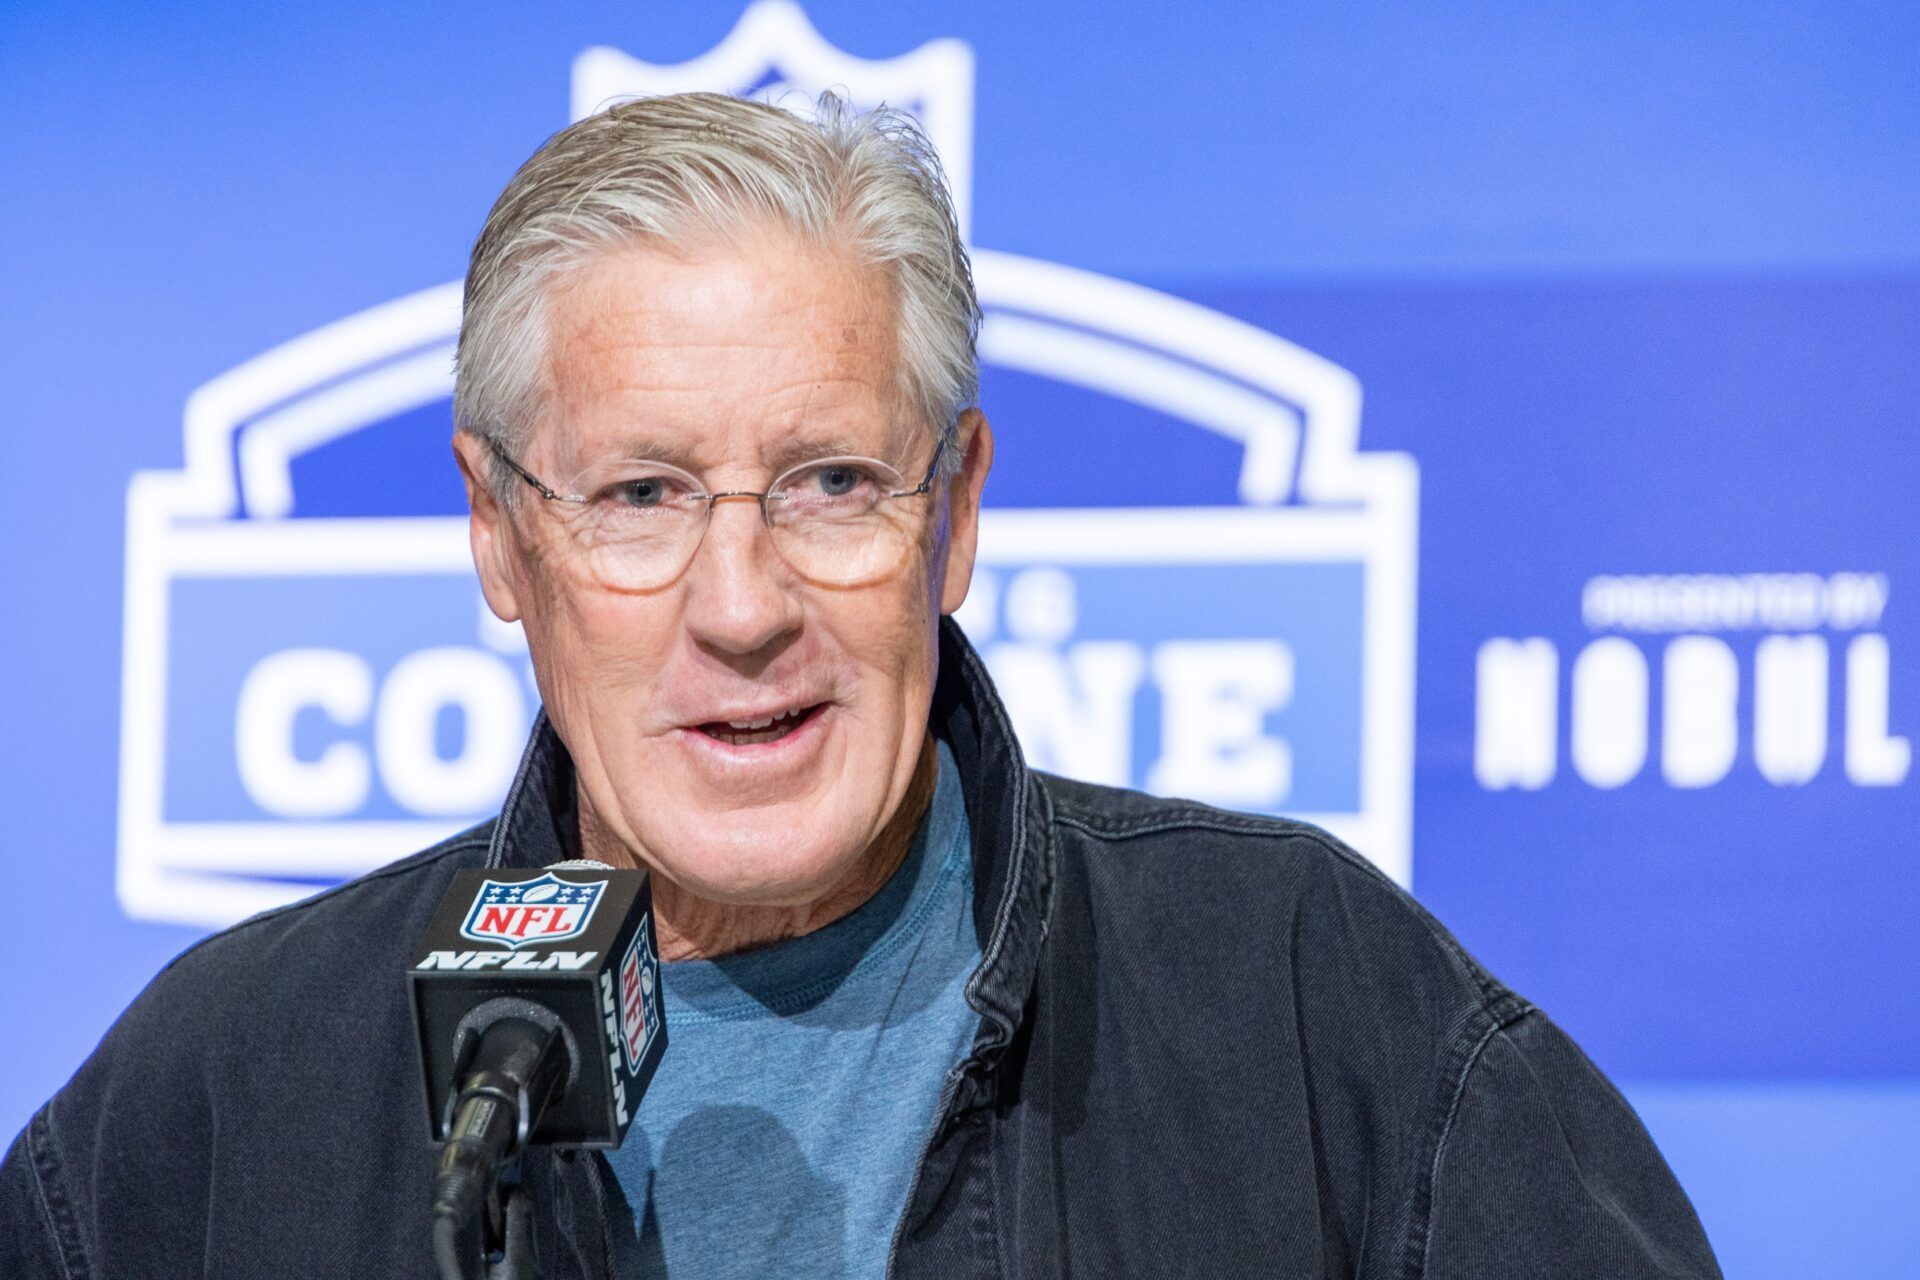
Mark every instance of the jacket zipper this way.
pixel 600 1208
pixel 940 1120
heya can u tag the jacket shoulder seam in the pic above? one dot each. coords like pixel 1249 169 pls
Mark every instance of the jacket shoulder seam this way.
pixel 1189 815
pixel 1222 821
pixel 56 1214
pixel 1495 1018
pixel 1490 988
pixel 402 867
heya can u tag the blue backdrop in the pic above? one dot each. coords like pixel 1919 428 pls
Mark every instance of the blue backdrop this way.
pixel 1485 429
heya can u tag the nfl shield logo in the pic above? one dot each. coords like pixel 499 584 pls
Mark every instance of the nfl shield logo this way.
pixel 639 980
pixel 529 913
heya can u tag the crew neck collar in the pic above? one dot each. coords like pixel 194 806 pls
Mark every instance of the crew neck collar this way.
pixel 793 975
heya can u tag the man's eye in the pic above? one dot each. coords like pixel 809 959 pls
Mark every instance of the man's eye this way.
pixel 836 481
pixel 644 491
pixel 832 480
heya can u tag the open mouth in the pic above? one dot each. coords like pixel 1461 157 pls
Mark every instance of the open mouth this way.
pixel 747 733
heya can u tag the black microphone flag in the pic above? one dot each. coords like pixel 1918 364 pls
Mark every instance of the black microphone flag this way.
pixel 569 948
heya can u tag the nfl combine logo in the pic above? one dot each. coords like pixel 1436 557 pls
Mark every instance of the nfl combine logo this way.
pixel 529 913
pixel 639 981
pixel 1214 599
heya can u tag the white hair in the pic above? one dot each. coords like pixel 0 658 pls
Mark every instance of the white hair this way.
pixel 676 169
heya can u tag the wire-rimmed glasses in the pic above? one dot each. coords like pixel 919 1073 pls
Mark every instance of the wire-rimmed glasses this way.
pixel 637 524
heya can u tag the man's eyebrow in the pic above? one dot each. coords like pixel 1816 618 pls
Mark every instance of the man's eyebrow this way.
pixel 788 451
pixel 644 448
pixel 806 447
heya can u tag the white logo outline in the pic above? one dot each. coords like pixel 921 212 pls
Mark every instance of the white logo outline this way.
pixel 1295 414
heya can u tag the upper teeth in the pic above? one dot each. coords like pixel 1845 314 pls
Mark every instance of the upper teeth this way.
pixel 744 725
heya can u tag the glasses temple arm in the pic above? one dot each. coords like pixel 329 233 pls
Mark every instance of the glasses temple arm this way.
pixel 926 481
pixel 501 453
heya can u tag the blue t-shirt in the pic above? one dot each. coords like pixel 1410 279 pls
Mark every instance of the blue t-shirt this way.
pixel 800 1080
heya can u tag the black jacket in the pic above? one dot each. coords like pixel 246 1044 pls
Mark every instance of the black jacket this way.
pixel 1210 1045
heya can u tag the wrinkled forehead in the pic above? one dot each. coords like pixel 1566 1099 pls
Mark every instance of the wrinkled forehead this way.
pixel 748 354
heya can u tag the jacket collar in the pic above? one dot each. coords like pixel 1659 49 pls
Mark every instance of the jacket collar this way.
pixel 1006 810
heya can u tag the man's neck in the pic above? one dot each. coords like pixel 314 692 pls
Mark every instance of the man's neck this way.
pixel 689 927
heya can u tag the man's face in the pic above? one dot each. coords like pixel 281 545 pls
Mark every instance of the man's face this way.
pixel 732 363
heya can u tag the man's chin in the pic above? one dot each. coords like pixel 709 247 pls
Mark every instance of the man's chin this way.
pixel 766 866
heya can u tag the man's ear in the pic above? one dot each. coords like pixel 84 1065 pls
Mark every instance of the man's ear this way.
pixel 975 439
pixel 489 531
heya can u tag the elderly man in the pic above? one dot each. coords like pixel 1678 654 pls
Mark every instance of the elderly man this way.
pixel 932 1014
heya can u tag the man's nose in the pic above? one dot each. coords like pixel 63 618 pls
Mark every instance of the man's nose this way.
pixel 740 595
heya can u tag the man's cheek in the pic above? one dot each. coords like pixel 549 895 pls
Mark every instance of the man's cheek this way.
pixel 880 634
pixel 587 666
pixel 614 635
pixel 906 598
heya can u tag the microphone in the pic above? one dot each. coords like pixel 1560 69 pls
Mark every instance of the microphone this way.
pixel 536 999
